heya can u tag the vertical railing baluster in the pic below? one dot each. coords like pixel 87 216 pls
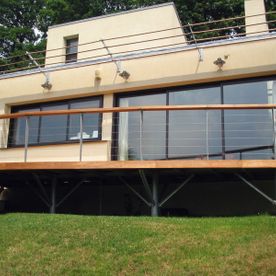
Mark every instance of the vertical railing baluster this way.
pixel 81 135
pixel 141 135
pixel 274 133
pixel 26 139
pixel 207 134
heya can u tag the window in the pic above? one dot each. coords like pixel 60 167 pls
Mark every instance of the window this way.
pixel 248 133
pixel 197 134
pixel 148 143
pixel 191 132
pixel 57 128
pixel 71 50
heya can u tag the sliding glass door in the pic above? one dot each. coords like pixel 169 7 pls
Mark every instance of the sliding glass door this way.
pixel 142 134
pixel 200 134
pixel 195 133
pixel 249 133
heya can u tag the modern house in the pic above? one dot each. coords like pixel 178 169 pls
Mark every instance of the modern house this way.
pixel 121 116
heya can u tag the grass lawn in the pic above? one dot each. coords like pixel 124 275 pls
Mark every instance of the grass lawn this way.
pixel 40 244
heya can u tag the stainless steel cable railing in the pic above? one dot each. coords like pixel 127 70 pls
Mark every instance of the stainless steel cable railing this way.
pixel 145 41
pixel 143 133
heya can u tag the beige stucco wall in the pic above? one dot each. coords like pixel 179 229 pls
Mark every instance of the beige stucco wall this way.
pixel 92 151
pixel 121 24
pixel 255 7
pixel 251 58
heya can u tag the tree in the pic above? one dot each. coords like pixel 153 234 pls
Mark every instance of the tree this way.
pixel 18 24
pixel 19 30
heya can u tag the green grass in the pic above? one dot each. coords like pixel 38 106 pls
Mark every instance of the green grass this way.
pixel 40 244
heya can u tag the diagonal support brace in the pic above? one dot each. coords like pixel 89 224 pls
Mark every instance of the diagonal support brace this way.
pixel 38 194
pixel 176 190
pixel 146 185
pixel 135 192
pixel 271 200
pixel 41 186
pixel 69 193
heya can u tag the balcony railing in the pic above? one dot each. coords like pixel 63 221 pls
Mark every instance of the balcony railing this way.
pixel 146 43
pixel 206 132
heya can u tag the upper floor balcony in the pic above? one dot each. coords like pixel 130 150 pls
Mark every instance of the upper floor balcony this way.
pixel 154 94
pixel 174 136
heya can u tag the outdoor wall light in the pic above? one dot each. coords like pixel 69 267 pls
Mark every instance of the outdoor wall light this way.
pixel 219 62
pixel 98 74
pixel 47 84
pixel 124 74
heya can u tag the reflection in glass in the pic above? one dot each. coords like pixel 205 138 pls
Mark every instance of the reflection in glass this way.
pixel 53 128
pixel 248 132
pixel 57 128
pixel 195 133
pixel 90 121
pixel 142 136
pixel 19 125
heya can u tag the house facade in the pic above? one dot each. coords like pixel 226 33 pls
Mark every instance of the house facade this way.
pixel 127 112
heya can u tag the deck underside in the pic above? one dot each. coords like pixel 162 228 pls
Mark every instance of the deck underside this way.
pixel 145 164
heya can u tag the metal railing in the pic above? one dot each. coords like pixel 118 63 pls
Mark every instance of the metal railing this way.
pixel 185 35
pixel 206 132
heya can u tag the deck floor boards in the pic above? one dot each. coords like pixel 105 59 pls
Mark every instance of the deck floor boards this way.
pixel 146 164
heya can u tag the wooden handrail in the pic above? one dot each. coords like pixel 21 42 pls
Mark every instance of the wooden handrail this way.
pixel 139 108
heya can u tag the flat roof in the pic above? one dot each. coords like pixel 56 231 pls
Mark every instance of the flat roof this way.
pixel 116 14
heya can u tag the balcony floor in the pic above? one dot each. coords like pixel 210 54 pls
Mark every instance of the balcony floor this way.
pixel 141 164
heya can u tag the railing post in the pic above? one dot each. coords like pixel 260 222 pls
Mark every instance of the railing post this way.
pixel 207 134
pixel 26 139
pixel 141 134
pixel 81 135
pixel 274 133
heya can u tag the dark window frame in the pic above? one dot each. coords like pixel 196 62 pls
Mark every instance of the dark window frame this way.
pixel 71 57
pixel 16 109
pixel 166 90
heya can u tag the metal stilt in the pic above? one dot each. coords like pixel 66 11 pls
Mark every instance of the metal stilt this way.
pixel 155 207
pixel 53 196
pixel 275 184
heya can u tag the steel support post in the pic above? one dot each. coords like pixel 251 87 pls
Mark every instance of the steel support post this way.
pixel 81 135
pixel 207 134
pixel 101 198
pixel 155 207
pixel 26 139
pixel 141 134
pixel 53 196
pixel 274 192
pixel 146 184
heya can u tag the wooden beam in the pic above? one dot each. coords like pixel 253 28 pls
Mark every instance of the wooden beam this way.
pixel 154 164
pixel 140 108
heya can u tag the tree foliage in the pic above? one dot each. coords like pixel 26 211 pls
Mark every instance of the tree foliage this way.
pixel 24 23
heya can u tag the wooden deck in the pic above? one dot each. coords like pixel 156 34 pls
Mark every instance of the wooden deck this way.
pixel 148 164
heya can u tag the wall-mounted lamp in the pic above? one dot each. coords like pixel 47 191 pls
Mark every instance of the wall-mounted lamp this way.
pixel 219 62
pixel 124 74
pixel 98 75
pixel 47 84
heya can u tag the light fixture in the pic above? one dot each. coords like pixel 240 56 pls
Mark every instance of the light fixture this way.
pixel 219 62
pixel 124 74
pixel 47 84
pixel 98 75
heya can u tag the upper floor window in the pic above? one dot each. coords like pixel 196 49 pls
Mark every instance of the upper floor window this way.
pixel 71 50
pixel 57 128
